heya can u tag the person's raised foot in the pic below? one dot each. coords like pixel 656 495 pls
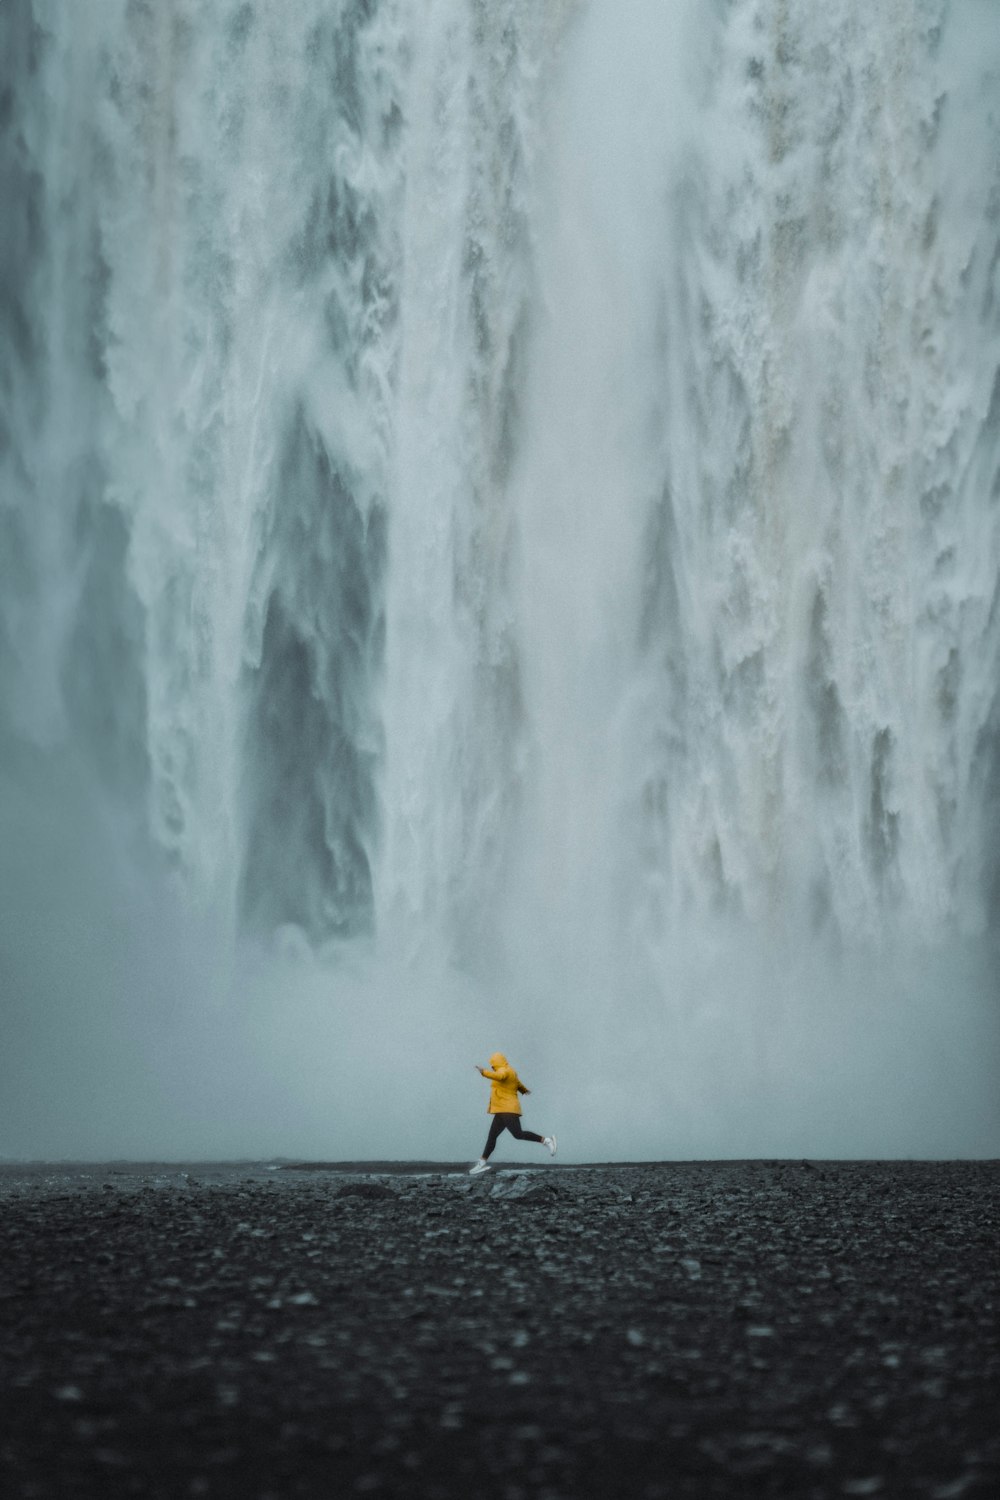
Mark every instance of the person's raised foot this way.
pixel 480 1166
pixel 550 1141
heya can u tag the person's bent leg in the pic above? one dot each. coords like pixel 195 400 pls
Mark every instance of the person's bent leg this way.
pixel 514 1126
pixel 529 1135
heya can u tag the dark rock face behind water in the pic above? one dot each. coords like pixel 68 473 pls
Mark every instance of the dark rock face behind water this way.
pixel 702 1330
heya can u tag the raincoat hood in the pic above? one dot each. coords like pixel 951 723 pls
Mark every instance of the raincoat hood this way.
pixel 498 1060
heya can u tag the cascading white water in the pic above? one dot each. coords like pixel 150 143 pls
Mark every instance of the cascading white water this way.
pixel 500 545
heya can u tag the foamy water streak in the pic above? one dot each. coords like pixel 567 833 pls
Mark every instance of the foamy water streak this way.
pixel 767 365
pixel 505 497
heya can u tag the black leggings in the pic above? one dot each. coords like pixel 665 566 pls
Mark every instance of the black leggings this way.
pixel 500 1123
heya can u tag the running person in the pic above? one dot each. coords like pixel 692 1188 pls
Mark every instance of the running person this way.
pixel 505 1107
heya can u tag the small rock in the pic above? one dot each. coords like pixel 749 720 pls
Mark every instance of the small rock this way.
pixel 365 1190
pixel 953 1489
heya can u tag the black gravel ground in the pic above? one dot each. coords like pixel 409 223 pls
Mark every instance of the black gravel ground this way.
pixel 727 1329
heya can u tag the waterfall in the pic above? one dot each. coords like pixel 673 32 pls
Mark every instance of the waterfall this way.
pixel 500 546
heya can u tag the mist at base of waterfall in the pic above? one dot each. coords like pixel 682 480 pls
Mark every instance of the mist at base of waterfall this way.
pixel 138 1030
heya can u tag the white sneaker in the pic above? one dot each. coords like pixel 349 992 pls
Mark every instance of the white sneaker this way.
pixel 550 1141
pixel 480 1166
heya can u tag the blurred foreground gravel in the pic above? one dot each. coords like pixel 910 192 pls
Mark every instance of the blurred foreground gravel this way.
pixel 676 1329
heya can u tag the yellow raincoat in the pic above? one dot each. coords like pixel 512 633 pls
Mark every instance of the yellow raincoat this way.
pixel 504 1087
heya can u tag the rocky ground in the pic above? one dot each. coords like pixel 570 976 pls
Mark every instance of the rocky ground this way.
pixel 692 1329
